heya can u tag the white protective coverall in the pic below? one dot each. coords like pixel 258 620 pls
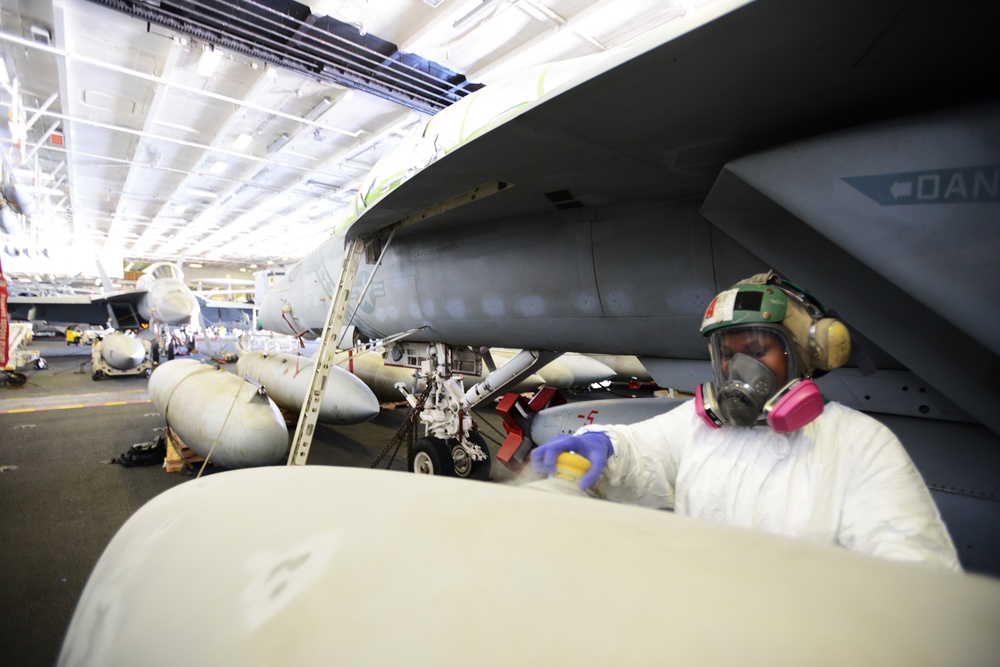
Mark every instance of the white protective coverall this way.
pixel 842 479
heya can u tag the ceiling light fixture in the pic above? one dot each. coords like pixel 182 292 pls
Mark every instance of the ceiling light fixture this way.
pixel 242 141
pixel 218 167
pixel 209 60
pixel 280 141
pixel 474 14
pixel 319 109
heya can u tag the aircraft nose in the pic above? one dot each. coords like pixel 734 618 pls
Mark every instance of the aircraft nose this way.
pixel 176 308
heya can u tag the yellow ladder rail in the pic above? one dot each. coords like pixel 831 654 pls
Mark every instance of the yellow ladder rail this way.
pixel 309 416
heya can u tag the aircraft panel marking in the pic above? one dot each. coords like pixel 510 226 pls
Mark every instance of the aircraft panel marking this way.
pixel 934 186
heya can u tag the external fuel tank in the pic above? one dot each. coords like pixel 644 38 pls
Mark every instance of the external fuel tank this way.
pixel 346 400
pixel 218 415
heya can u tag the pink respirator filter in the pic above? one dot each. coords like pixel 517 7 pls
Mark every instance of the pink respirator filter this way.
pixel 794 407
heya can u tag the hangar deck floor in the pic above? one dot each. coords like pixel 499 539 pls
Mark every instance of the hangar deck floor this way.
pixel 62 500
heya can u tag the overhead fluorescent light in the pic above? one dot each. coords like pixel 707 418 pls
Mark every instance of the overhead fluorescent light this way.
pixel 280 141
pixel 196 265
pixel 319 109
pixel 218 167
pixel 475 14
pixel 210 59
pixel 198 192
pixel 433 3
pixel 41 34
pixel 242 141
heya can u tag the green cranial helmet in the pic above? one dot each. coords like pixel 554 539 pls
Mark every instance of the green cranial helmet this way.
pixel 821 343
pixel 745 303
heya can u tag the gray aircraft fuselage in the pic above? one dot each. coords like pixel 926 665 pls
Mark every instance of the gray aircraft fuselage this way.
pixel 617 280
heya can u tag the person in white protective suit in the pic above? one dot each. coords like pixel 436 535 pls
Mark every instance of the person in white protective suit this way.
pixel 758 447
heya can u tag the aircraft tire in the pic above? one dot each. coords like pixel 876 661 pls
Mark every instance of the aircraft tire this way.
pixel 430 456
pixel 465 467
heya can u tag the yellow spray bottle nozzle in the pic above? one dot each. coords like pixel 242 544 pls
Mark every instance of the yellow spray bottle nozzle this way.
pixel 571 466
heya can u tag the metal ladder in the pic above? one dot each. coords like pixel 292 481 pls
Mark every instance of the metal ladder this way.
pixel 308 418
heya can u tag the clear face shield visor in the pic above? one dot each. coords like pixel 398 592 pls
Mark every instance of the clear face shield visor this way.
pixel 751 363
pixel 770 345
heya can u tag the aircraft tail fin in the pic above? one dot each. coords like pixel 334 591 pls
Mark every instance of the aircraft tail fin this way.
pixel 106 284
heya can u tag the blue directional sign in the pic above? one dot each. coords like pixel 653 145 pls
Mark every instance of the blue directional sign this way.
pixel 934 186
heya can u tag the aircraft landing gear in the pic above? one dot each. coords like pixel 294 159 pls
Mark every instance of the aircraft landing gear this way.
pixel 452 444
pixel 466 466
pixel 434 456
pixel 430 456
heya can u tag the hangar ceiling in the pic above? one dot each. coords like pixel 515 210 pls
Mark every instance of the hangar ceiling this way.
pixel 234 132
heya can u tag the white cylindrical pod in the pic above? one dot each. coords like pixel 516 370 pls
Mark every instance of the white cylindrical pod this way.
pixel 379 377
pixel 205 406
pixel 287 377
pixel 122 352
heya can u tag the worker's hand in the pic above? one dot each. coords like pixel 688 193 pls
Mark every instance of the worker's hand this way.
pixel 594 446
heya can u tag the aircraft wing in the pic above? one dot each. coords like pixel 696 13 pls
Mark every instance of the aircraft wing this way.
pixel 76 308
pixel 219 311
pixel 662 120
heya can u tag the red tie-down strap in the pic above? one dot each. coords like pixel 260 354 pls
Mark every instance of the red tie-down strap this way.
pixel 516 412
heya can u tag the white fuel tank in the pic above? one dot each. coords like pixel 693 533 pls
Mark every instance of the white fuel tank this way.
pixel 206 406
pixel 122 352
pixel 375 567
pixel 346 400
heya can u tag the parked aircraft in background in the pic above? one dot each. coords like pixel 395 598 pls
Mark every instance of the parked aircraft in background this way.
pixel 160 301
pixel 160 295
pixel 599 206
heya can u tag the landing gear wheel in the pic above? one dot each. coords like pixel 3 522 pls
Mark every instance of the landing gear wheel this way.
pixel 430 456
pixel 97 375
pixel 464 465
pixel 149 371
pixel 15 380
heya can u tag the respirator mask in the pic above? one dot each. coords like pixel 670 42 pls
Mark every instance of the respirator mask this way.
pixel 752 368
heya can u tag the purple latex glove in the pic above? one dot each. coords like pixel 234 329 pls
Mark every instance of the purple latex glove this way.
pixel 594 446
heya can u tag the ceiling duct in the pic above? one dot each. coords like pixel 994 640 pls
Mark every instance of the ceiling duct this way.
pixel 288 35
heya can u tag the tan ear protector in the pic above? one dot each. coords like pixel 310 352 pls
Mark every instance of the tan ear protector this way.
pixel 826 340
